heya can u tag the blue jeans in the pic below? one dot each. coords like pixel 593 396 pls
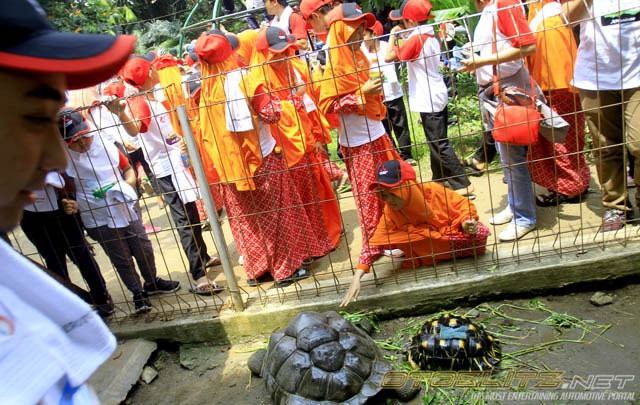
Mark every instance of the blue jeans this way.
pixel 520 188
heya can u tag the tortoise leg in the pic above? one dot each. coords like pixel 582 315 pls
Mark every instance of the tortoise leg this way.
pixel 255 362
pixel 408 391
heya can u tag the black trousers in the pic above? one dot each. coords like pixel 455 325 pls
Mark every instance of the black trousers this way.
pixel 397 121
pixel 445 165
pixel 487 151
pixel 57 235
pixel 187 221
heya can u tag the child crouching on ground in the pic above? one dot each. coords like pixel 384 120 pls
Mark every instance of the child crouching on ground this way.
pixel 427 221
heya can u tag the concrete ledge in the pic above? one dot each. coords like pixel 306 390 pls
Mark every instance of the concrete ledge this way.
pixel 544 272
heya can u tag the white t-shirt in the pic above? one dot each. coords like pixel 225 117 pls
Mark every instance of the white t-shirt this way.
pixel 483 41
pixel 609 50
pixel 47 199
pixel 109 128
pixel 165 159
pixel 390 84
pixel 48 336
pixel 96 168
pixel 427 90
pixel 356 130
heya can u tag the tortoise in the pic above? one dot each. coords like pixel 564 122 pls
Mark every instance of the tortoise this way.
pixel 324 358
pixel 453 343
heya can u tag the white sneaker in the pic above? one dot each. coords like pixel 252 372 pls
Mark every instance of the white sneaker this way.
pixel 514 232
pixel 502 217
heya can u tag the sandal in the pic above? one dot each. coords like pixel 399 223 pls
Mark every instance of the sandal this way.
pixel 206 288
pixel 472 168
pixel 213 261
pixel 300 274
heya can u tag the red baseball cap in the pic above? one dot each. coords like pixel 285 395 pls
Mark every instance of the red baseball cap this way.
pixel 274 39
pixel 415 10
pixel 136 71
pixel 30 43
pixel 377 29
pixel 214 46
pixel 350 12
pixel 165 61
pixel 392 173
pixel 308 7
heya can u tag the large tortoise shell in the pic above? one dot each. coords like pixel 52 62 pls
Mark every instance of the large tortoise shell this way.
pixel 322 357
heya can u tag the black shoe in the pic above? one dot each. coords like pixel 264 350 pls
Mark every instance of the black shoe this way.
pixel 265 278
pixel 161 286
pixel 105 310
pixel 142 303
pixel 300 274
pixel 206 225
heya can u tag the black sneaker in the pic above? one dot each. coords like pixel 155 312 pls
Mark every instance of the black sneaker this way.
pixel 105 310
pixel 142 303
pixel 264 278
pixel 161 286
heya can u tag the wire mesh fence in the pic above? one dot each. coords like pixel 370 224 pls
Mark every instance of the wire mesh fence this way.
pixel 259 183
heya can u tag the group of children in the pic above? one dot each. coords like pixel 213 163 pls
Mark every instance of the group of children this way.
pixel 262 120
pixel 262 117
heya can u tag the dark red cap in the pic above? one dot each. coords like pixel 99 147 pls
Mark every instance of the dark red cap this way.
pixel 377 29
pixel 213 46
pixel 308 7
pixel 165 61
pixel 274 39
pixel 392 173
pixel 136 71
pixel 30 43
pixel 415 10
pixel 350 12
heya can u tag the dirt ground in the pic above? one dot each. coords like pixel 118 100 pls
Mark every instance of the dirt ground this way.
pixel 563 332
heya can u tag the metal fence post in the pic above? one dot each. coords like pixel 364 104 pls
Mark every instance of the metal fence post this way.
pixel 205 193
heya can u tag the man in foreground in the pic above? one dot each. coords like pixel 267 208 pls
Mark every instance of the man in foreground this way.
pixel 51 341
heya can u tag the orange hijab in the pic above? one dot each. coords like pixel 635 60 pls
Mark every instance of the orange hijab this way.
pixel 236 155
pixel 290 131
pixel 431 211
pixel 347 71
pixel 171 82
